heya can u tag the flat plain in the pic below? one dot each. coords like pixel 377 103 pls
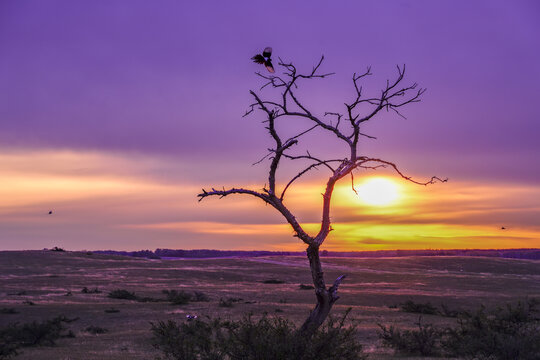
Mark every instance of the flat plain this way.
pixel 40 285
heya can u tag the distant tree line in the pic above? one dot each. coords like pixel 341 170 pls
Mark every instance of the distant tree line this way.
pixel 531 254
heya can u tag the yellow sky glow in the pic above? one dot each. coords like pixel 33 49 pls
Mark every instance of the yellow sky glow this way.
pixel 108 201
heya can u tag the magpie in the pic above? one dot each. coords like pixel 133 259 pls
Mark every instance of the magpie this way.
pixel 265 59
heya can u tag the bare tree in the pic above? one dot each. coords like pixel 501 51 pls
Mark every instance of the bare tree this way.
pixel 346 127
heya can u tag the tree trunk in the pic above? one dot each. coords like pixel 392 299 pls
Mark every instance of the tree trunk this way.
pixel 325 297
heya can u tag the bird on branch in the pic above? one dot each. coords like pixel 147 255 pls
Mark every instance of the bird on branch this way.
pixel 264 59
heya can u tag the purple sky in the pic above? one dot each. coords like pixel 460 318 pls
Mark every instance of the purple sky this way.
pixel 170 79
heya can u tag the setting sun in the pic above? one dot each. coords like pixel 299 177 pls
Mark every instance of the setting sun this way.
pixel 378 191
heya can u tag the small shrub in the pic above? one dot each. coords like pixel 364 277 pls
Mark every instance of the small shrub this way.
pixel 111 311
pixel 178 297
pixel 122 294
pixel 8 311
pixel 226 303
pixel 95 330
pixel 306 287
pixel 85 290
pixel 447 312
pixel 200 297
pixel 56 248
pixel 263 339
pixel 419 308
pixel 424 341
pixel 29 302
pixel 273 281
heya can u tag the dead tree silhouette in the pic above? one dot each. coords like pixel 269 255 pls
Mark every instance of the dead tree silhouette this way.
pixel 346 127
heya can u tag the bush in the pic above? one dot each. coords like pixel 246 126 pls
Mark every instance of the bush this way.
pixel 178 297
pixel 425 341
pixel 506 333
pixel 85 290
pixel 306 287
pixel 419 308
pixel 15 336
pixel 229 302
pixel 273 281
pixel 112 310
pixel 122 294
pixel 200 297
pixel 8 311
pixel 95 330
pixel 263 339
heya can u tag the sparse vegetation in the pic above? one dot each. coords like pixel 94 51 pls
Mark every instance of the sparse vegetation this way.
pixel 111 311
pixel 268 338
pixel 306 287
pixel 56 248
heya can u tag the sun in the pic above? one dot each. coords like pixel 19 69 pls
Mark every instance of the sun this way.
pixel 378 191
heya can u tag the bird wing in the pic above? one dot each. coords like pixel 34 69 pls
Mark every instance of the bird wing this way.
pixel 259 59
pixel 267 52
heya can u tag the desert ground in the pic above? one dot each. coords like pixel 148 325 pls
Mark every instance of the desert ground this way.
pixel 40 285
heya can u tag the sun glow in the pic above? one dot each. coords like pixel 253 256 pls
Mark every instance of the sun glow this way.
pixel 378 191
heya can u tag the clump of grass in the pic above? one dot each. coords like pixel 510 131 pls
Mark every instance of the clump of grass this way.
pixel 29 302
pixel 8 311
pixel 56 248
pixel 112 311
pixel 419 308
pixel 273 281
pixel 268 338
pixel 95 330
pixel 122 294
pixel 306 287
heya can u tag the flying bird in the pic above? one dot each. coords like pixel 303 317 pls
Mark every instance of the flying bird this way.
pixel 50 212
pixel 503 228
pixel 264 59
